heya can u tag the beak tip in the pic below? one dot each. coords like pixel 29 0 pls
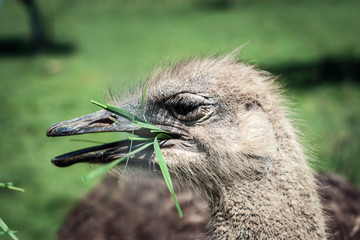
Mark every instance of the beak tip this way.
pixel 49 132
pixel 59 163
pixel 57 130
pixel 54 162
pixel 53 130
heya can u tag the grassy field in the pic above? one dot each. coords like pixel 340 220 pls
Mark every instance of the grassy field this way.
pixel 313 46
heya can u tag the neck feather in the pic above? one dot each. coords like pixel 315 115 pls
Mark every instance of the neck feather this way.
pixel 283 204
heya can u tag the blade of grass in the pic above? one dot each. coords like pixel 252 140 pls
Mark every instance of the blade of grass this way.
pixel 150 126
pixel 159 131
pixel 140 139
pixel 153 128
pixel 11 186
pixel 166 174
pixel 159 135
pixel 119 111
pixel 112 164
pixel 138 122
pixel 7 230
pixel 127 159
pixel 143 98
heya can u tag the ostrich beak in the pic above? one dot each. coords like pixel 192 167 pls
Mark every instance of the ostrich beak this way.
pixel 100 121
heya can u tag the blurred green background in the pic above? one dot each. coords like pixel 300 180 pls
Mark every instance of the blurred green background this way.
pixel 88 46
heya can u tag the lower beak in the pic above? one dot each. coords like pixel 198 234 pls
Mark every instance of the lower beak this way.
pixel 100 121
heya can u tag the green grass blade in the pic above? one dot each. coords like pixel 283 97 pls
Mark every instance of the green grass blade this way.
pixel 166 174
pixel 11 186
pixel 119 111
pixel 149 126
pixel 7 230
pixel 134 138
pixel 127 159
pixel 161 136
pixel 108 166
pixel 136 121
pixel 143 99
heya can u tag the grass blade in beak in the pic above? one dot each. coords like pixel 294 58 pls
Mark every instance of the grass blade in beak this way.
pixel 166 174
pixel 138 122
pixel 121 112
pixel 159 135
pixel 108 166
pixel 143 98
pixel 131 138
pixel 127 159
pixel 149 126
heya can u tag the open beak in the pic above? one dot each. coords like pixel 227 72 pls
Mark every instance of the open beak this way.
pixel 100 121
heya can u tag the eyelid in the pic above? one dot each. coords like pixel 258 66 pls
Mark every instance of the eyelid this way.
pixel 201 107
pixel 185 98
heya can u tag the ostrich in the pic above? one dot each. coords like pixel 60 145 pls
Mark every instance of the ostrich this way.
pixel 237 147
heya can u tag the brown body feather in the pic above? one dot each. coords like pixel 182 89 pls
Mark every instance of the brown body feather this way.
pixel 342 206
pixel 144 209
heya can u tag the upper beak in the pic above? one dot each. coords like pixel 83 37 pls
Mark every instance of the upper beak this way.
pixel 100 121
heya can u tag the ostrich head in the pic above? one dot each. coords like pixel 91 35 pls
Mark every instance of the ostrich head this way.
pixel 217 107
pixel 235 141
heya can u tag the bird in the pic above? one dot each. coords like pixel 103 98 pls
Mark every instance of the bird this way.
pixel 237 162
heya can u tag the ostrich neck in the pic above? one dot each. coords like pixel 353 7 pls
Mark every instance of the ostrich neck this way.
pixel 280 205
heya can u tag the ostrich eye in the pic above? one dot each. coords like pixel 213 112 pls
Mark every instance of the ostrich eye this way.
pixel 189 107
pixel 185 108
